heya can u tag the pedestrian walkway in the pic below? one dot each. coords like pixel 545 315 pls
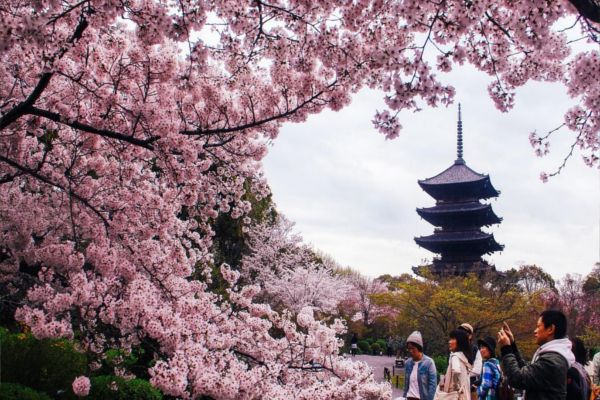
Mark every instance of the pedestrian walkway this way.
pixel 377 363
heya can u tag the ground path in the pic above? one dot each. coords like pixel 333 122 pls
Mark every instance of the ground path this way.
pixel 377 363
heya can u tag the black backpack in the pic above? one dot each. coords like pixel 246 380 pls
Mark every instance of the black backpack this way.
pixel 503 389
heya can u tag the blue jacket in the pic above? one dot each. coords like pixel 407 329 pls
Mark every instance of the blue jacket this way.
pixel 426 376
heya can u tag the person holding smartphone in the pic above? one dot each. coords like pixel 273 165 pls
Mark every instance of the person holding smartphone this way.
pixel 545 378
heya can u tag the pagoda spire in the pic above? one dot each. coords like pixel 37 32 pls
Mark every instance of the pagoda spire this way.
pixel 459 139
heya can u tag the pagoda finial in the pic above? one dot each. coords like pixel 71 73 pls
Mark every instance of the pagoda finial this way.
pixel 459 140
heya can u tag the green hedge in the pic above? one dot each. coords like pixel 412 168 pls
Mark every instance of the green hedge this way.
pixel 376 348
pixel 47 365
pixel 365 347
pixel 14 391
pixel 441 363
pixel 103 388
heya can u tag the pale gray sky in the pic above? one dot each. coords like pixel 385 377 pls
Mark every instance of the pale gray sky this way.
pixel 353 194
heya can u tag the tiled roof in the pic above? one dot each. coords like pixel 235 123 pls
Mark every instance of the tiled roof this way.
pixel 456 237
pixel 457 173
pixel 455 207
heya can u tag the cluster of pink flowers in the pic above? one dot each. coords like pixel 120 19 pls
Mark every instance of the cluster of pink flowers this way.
pixel 81 386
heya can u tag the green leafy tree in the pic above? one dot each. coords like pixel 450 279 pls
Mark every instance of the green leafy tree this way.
pixel 437 307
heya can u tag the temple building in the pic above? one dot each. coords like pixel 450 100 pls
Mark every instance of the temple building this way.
pixel 458 216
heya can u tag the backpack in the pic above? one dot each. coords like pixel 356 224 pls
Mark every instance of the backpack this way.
pixel 503 389
pixel 505 392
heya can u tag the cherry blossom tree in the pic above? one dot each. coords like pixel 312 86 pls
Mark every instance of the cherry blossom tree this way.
pixel 309 286
pixel 360 303
pixel 579 302
pixel 274 247
pixel 128 126
pixel 292 274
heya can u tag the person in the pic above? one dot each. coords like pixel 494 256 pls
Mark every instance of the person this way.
pixel 490 375
pixel 475 360
pixel 354 344
pixel 596 367
pixel 420 374
pixel 578 380
pixel 457 377
pixel 546 377
pixel 389 347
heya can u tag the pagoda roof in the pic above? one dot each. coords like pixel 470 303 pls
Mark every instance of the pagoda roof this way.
pixel 465 213
pixel 459 181
pixel 448 208
pixel 458 172
pixel 470 241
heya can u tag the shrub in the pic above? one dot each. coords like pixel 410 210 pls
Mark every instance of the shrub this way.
pixel 48 365
pixel 14 391
pixel 376 348
pixel 365 347
pixel 441 363
pixel 382 343
pixel 109 387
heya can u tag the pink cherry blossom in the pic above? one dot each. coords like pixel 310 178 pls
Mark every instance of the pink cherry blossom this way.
pixel 81 386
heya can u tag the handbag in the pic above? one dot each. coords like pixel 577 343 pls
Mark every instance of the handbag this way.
pixel 443 391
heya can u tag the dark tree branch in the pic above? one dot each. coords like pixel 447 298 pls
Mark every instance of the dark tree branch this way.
pixel 497 24
pixel 21 109
pixel 589 9
pixel 256 123
pixel 145 143
pixel 47 181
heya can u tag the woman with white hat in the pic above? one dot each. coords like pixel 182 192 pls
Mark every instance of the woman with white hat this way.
pixel 420 375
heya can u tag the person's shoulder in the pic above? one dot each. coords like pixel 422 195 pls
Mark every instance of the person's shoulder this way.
pixel 427 360
pixel 555 358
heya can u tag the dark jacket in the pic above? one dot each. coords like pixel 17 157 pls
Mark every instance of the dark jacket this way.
pixel 543 379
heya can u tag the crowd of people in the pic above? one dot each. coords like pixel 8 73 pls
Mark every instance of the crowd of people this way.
pixel 556 371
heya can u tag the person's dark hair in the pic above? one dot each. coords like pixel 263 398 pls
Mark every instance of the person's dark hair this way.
pixel 578 349
pixel 417 345
pixel 556 318
pixel 462 342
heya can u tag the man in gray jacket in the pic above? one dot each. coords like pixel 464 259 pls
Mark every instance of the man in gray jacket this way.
pixel 546 377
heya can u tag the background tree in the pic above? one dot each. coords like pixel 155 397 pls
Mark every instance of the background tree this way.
pixel 579 298
pixel 359 303
pixel 436 307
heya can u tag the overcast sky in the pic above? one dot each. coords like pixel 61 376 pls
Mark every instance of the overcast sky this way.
pixel 353 194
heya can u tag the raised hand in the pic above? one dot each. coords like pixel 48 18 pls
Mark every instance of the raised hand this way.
pixel 508 332
pixel 503 339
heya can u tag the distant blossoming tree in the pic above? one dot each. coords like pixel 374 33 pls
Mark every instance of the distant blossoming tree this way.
pixel 128 126
pixel 360 301
pixel 292 274
pixel 579 298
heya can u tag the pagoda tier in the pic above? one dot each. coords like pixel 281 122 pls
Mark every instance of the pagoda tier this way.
pixel 464 245
pixel 467 214
pixel 458 216
pixel 459 182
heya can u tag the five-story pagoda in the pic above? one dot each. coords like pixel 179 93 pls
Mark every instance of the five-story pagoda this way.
pixel 459 215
